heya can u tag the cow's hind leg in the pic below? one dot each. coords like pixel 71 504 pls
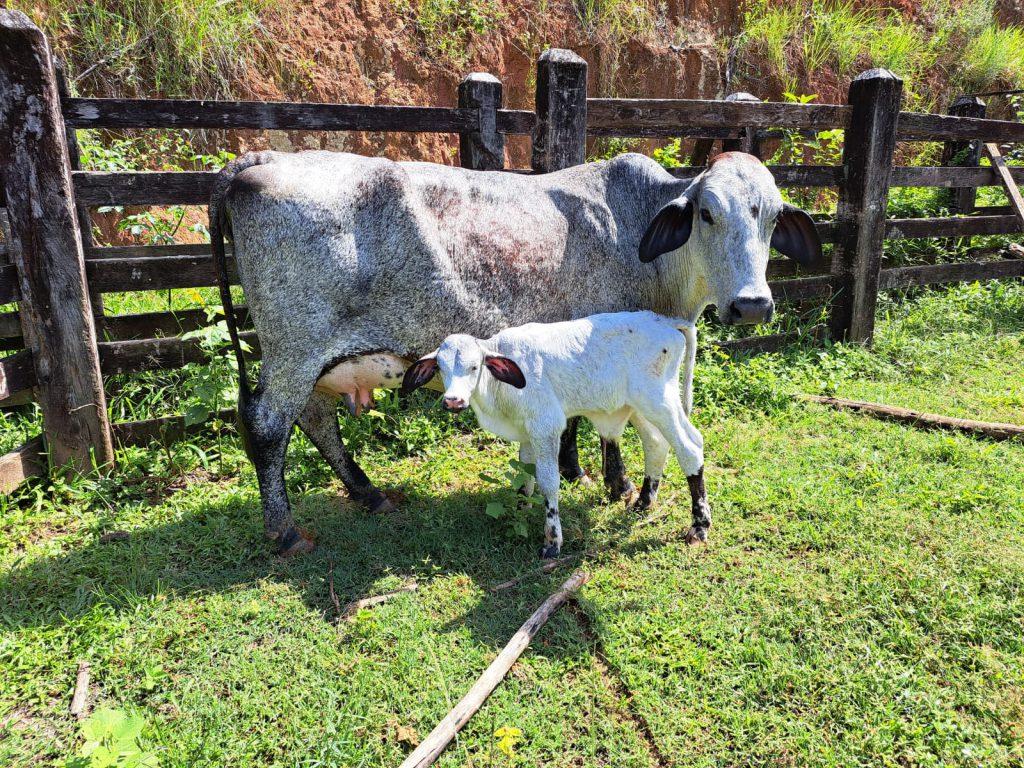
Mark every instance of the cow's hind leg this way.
pixel 267 417
pixel 619 486
pixel 319 420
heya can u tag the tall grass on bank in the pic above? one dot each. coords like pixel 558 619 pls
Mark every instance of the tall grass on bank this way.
pixel 171 48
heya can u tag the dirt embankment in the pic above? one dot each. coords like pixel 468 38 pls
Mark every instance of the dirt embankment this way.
pixel 367 52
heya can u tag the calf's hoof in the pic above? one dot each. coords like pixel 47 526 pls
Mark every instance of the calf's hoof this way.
pixel 696 535
pixel 377 503
pixel 549 551
pixel 296 541
pixel 641 505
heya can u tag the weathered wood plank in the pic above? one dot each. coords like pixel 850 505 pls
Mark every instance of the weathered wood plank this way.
pixel 757 345
pixel 120 357
pixel 675 117
pixel 94 188
pixel 113 275
pixel 10 325
pixel 951 226
pixel 19 465
pixel 163 430
pixel 915 126
pixel 870 141
pixel 785 175
pixel 149 325
pixel 1009 185
pixel 560 135
pixel 151 251
pixel 516 121
pixel 816 287
pixel 950 177
pixel 482 149
pixel 963 153
pixel 9 284
pixel 55 311
pixel 935 274
pixel 16 374
pixel 991 429
pixel 183 113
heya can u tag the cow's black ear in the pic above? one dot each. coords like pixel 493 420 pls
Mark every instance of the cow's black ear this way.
pixel 505 369
pixel 419 373
pixel 670 229
pixel 796 236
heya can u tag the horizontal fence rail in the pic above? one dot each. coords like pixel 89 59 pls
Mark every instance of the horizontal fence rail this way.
pixel 185 113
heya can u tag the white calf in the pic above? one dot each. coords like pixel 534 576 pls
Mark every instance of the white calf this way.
pixel 610 368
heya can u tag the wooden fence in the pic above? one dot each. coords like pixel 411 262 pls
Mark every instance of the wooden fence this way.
pixel 64 345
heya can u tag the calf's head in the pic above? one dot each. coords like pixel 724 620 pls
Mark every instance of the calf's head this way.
pixel 461 360
pixel 713 240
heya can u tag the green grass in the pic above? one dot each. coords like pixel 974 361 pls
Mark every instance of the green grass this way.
pixel 859 604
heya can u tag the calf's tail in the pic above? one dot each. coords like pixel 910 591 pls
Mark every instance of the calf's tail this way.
pixel 689 331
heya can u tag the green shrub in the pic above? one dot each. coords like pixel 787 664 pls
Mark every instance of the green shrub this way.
pixel 447 26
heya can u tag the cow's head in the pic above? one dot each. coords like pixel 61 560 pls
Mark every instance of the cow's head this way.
pixel 712 241
pixel 461 360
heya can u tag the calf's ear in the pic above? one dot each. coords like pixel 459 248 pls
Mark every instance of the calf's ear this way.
pixel 419 373
pixel 670 229
pixel 506 370
pixel 796 236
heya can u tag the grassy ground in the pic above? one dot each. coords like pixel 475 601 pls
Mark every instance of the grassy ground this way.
pixel 860 602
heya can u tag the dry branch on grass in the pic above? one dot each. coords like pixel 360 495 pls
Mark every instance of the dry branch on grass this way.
pixel 80 699
pixel 431 747
pixel 994 430
pixel 368 602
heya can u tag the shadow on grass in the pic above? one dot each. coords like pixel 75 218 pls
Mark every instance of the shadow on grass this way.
pixel 218 546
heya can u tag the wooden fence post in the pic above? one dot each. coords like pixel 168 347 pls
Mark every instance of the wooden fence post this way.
pixel 560 136
pixel 748 142
pixel 484 148
pixel 963 154
pixel 47 246
pixel 860 216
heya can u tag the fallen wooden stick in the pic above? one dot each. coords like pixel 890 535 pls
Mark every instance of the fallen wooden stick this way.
pixel 549 566
pixel 995 430
pixel 81 695
pixel 368 602
pixel 330 588
pixel 431 747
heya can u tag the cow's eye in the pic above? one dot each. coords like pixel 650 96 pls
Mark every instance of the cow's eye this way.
pixel 705 216
pixel 754 210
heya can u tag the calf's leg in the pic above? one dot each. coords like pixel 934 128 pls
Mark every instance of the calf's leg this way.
pixel 527 456
pixel 688 444
pixel 656 450
pixel 547 483
pixel 319 420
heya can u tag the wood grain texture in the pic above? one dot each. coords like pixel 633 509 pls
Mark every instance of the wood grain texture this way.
pixel 516 121
pixel 121 357
pixel 150 325
pixel 484 148
pixel 676 117
pixel 19 465
pixel 951 226
pixel 9 291
pixel 16 374
pixel 151 274
pixel 934 274
pixel 183 113
pixel 963 153
pixel 560 135
pixel 56 315
pixel 916 126
pixel 164 430
pixel 994 430
pixel 1009 184
pixel 756 345
pixel 870 141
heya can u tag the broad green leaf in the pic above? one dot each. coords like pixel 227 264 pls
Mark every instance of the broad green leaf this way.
pixel 495 509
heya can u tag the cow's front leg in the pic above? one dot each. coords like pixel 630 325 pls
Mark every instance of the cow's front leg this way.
pixel 620 487
pixel 700 509
pixel 547 484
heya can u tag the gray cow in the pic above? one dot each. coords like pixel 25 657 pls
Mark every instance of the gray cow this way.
pixel 353 267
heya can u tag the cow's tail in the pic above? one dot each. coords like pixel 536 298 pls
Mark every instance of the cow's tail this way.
pixel 220 224
pixel 689 331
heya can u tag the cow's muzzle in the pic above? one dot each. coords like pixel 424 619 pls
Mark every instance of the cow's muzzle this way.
pixel 749 311
pixel 455 404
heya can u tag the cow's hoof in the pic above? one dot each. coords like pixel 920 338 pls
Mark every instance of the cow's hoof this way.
pixel 378 504
pixel 297 541
pixel 576 475
pixel 549 551
pixel 624 491
pixel 696 535
pixel 585 480
pixel 641 505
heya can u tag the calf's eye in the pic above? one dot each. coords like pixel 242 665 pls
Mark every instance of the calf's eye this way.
pixel 755 210
pixel 705 215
